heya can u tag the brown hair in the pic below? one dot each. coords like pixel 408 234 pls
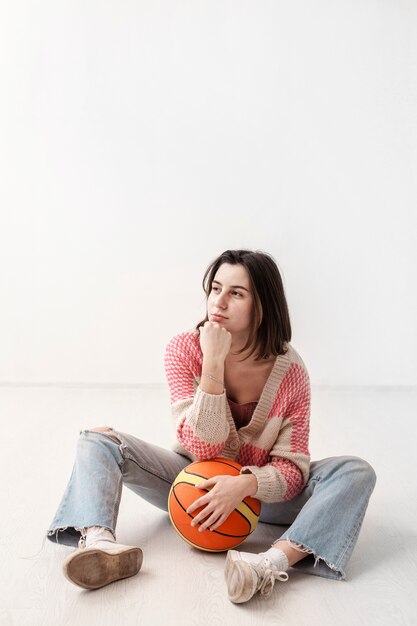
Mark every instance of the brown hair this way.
pixel 270 327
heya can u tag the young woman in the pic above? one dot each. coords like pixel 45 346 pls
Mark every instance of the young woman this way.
pixel 241 391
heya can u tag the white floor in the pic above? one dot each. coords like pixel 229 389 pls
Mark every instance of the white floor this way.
pixel 178 584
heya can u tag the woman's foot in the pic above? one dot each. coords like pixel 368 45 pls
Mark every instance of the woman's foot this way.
pixel 247 573
pixel 101 563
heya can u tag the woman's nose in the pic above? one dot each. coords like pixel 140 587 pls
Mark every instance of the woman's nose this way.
pixel 220 300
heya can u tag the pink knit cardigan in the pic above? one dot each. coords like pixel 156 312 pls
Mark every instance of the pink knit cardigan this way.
pixel 273 446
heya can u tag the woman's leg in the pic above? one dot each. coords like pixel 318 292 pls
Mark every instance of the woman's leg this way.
pixel 150 470
pixel 326 517
pixel 104 461
pixel 324 522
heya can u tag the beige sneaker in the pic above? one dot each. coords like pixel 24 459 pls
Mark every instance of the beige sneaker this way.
pixel 247 573
pixel 101 563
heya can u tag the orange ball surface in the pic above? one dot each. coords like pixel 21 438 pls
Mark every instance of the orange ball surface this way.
pixel 237 527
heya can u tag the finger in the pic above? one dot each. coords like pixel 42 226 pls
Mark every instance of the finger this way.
pixel 209 521
pixel 219 522
pixel 196 505
pixel 202 515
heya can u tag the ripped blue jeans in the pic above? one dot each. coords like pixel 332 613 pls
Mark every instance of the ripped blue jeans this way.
pixel 324 520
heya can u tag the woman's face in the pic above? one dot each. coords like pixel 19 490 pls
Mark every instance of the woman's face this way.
pixel 231 296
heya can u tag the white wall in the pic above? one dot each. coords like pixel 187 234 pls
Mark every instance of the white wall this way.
pixel 138 140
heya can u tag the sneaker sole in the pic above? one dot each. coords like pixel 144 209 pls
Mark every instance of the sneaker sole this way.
pixel 95 568
pixel 239 579
pixel 230 560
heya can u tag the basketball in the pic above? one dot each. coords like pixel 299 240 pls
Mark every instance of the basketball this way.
pixel 237 527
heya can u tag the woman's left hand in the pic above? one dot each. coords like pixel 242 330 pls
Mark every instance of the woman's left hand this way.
pixel 226 493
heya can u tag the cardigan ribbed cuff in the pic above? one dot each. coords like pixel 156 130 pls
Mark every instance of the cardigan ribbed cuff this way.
pixel 207 417
pixel 271 484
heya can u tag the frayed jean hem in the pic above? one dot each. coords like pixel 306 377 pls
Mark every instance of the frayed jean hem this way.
pixel 314 564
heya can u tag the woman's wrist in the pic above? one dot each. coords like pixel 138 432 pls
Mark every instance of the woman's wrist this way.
pixel 213 363
pixel 212 376
pixel 249 484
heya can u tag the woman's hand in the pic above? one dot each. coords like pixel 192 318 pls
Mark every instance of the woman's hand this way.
pixel 226 493
pixel 215 340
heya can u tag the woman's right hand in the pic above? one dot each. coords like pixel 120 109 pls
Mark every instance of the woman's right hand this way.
pixel 215 341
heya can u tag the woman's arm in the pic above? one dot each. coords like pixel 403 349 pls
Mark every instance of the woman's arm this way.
pixel 212 376
pixel 200 418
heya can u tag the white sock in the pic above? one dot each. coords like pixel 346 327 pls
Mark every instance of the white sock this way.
pixel 95 533
pixel 278 558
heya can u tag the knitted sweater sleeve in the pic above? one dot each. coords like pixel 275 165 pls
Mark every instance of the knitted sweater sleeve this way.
pixel 200 418
pixel 287 470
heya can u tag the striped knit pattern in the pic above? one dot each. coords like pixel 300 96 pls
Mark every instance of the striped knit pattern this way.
pixel 273 446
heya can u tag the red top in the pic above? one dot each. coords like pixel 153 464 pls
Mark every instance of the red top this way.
pixel 242 413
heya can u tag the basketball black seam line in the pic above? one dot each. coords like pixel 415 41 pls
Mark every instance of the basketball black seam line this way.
pixel 194 545
pixel 194 474
pixel 208 460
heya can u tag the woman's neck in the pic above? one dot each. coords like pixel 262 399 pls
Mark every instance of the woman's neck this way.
pixel 234 359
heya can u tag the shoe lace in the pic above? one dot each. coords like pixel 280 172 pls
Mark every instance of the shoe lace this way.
pixel 268 574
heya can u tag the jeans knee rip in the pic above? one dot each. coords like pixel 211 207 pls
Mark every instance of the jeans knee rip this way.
pixel 107 433
pixel 301 548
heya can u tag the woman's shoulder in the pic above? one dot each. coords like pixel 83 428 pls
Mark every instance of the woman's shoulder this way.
pixel 183 353
pixel 294 357
pixel 186 342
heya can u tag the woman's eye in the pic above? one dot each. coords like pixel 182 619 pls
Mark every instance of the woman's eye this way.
pixel 238 293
